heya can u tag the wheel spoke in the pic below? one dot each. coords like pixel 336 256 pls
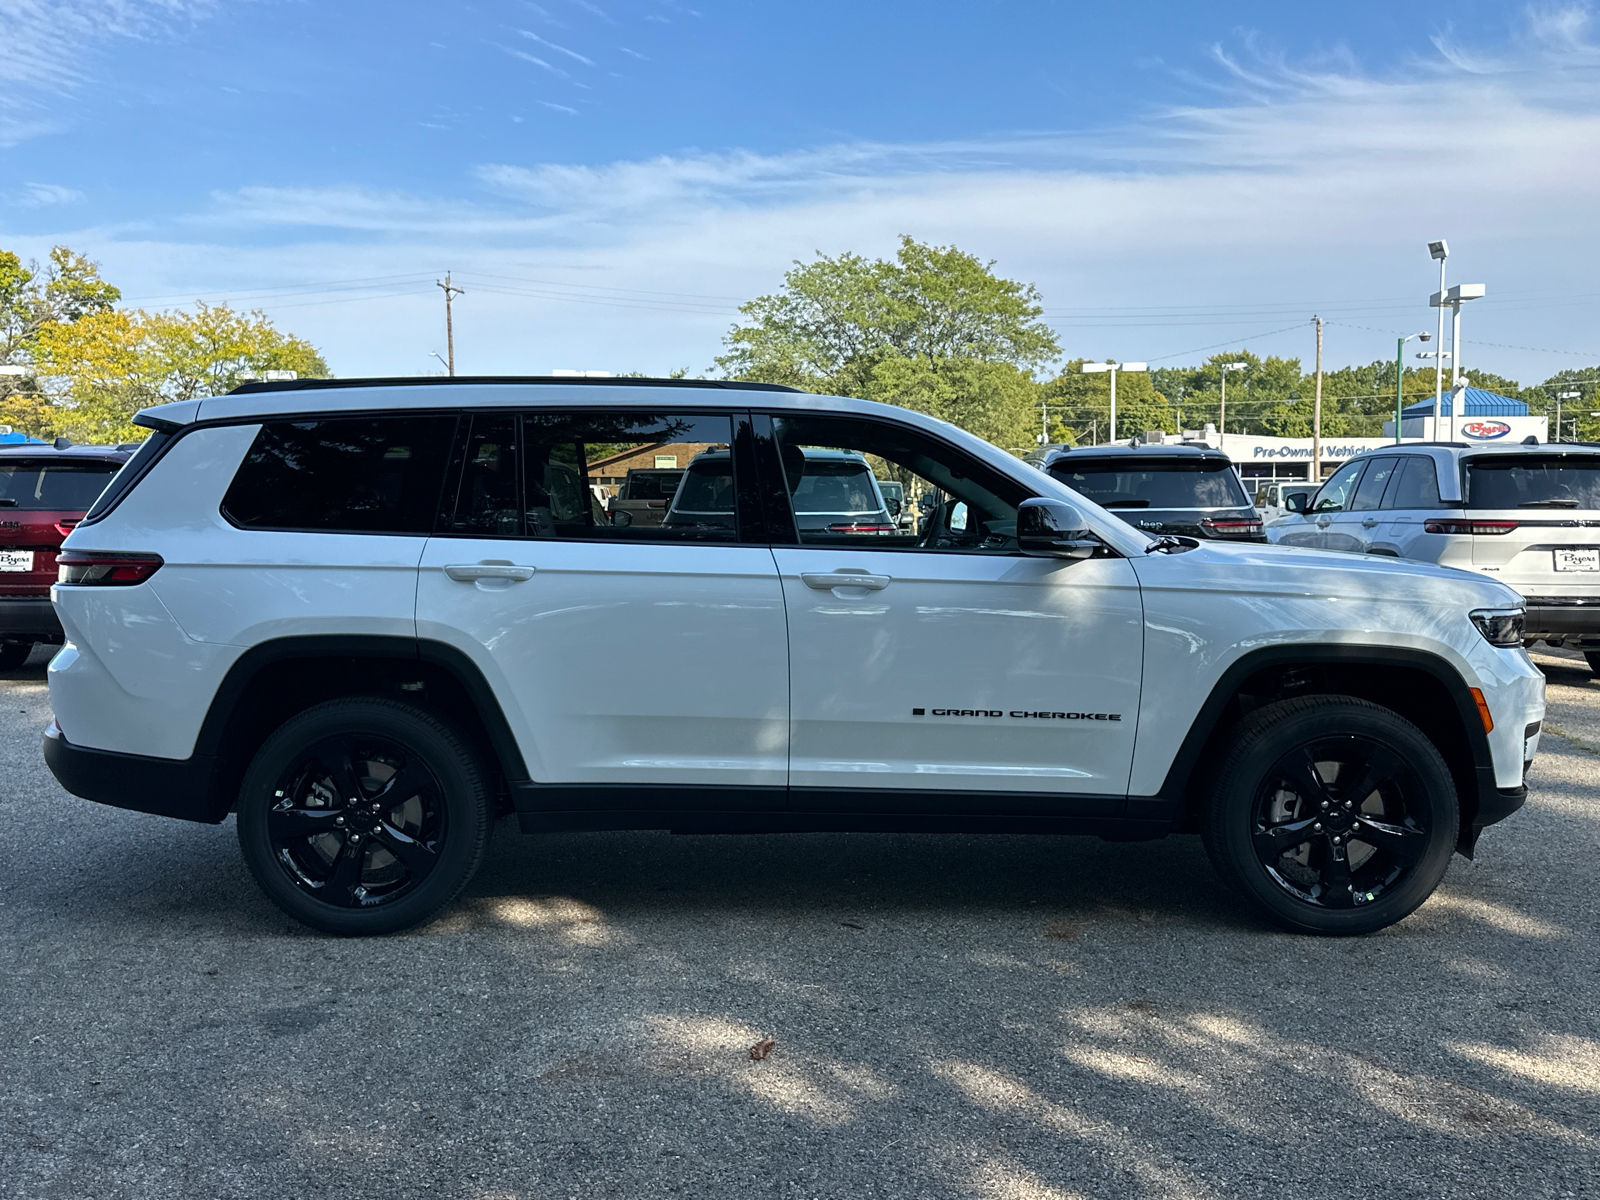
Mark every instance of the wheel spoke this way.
pixel 1336 890
pixel 336 755
pixel 404 784
pixel 1380 767
pixel 293 824
pixel 1303 776
pixel 1273 841
pixel 344 876
pixel 1403 843
pixel 416 856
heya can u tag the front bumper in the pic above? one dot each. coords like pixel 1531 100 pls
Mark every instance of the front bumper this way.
pixel 168 787
pixel 27 617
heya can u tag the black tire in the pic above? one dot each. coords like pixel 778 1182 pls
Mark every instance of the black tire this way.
pixel 345 848
pixel 1593 659
pixel 1319 856
pixel 14 654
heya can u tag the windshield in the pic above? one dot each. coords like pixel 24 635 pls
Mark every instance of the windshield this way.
pixel 835 487
pixel 54 486
pixel 1155 484
pixel 707 488
pixel 1529 481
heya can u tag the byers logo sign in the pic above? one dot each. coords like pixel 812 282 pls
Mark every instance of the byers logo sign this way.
pixel 1485 431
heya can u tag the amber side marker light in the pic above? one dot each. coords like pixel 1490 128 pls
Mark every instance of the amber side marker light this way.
pixel 1483 710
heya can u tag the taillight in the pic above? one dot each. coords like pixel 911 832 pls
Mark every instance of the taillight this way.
pixel 1469 526
pixel 860 527
pixel 92 568
pixel 1228 527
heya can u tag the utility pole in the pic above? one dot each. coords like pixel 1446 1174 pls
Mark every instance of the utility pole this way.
pixel 450 291
pixel 1316 413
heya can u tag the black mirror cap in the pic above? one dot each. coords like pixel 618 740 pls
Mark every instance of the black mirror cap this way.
pixel 1298 502
pixel 1053 529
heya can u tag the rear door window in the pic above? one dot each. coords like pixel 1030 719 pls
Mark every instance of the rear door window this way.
pixel 1556 481
pixel 343 474
pixel 53 485
pixel 578 475
pixel 1370 494
pixel 1154 484
pixel 1414 485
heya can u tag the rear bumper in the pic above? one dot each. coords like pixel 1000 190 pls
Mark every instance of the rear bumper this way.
pixel 25 616
pixel 168 787
pixel 1563 616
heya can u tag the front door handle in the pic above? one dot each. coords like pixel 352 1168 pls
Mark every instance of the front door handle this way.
pixel 472 572
pixel 1369 523
pixel 845 579
pixel 1324 522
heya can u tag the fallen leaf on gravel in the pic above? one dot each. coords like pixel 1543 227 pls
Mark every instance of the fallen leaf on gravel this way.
pixel 1063 931
pixel 852 925
pixel 1141 1006
pixel 762 1048
pixel 211 970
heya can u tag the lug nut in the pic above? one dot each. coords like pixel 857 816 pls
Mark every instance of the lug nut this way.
pixel 338 820
pixel 1317 828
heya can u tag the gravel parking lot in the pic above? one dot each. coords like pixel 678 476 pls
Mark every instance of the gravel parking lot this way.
pixel 998 1017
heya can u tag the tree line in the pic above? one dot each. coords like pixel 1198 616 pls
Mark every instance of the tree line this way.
pixel 89 365
pixel 933 329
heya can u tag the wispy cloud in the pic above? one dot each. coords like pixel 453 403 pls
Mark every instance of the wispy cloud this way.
pixel 594 10
pixel 531 36
pixel 560 108
pixel 43 195
pixel 535 60
pixel 634 53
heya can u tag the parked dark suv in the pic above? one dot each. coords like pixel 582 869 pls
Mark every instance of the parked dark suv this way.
pixel 1186 490
pixel 44 492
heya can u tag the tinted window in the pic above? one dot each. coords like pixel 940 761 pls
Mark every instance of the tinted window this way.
pixel 1332 496
pixel 1370 493
pixel 1415 485
pixel 831 467
pixel 53 485
pixel 1529 481
pixel 361 474
pixel 577 475
pixel 1148 484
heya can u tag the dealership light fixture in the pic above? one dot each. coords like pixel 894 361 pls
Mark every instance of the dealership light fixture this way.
pixel 1100 368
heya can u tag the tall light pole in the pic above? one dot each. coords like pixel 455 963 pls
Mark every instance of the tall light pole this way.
pixel 1399 381
pixel 1455 297
pixel 1094 368
pixel 1222 412
pixel 1439 250
pixel 1560 396
pixel 1316 413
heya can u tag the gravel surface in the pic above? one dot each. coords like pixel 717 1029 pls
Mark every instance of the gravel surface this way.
pixel 995 1017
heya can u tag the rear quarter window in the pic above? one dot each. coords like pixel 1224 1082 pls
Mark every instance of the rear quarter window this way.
pixel 343 474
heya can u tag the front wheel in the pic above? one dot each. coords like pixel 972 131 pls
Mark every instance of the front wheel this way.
pixel 1593 658
pixel 363 815
pixel 1334 815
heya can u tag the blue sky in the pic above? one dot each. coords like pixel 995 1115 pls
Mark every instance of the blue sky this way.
pixel 608 180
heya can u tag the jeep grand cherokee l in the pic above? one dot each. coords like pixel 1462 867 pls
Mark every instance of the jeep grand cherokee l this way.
pixel 363 629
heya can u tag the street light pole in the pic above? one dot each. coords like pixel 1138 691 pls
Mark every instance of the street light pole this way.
pixel 1399 382
pixel 1560 396
pixel 1094 368
pixel 1441 251
pixel 1222 412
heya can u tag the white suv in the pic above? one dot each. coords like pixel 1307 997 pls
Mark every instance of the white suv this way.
pixel 367 615
pixel 1527 515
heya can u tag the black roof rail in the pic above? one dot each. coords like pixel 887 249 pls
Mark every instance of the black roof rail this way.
pixel 307 385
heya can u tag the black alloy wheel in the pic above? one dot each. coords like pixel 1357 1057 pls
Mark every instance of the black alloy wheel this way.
pixel 363 815
pixel 1333 814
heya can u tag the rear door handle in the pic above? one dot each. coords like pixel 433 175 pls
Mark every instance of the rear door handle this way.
pixel 844 579
pixel 1369 523
pixel 472 572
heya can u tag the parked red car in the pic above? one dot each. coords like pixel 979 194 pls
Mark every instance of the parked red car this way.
pixel 44 491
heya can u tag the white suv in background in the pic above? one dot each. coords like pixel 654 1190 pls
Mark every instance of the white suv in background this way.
pixel 367 615
pixel 1527 515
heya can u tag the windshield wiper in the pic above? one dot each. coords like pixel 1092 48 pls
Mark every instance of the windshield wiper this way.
pixel 1125 504
pixel 1548 504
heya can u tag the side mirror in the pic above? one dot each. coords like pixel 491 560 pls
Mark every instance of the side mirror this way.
pixel 621 518
pixel 1298 502
pixel 894 505
pixel 1053 529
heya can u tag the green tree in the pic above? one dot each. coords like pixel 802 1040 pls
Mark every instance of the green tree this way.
pixel 66 289
pixel 99 370
pixel 935 330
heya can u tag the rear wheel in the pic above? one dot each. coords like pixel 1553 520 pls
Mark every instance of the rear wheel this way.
pixel 14 654
pixel 363 816
pixel 1334 815
pixel 1593 657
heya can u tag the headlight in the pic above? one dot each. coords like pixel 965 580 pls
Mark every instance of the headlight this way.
pixel 1500 627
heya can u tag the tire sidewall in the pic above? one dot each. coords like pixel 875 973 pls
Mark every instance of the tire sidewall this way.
pixel 1271 735
pixel 463 795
